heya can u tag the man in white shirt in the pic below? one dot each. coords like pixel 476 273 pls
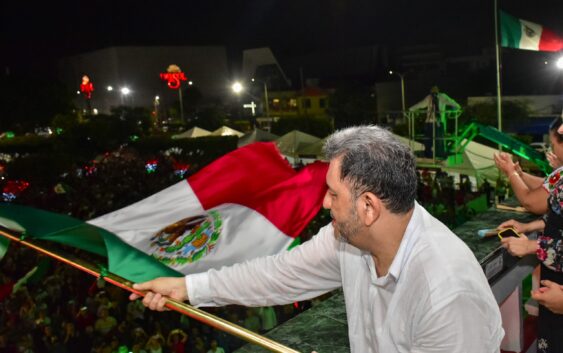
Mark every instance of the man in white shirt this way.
pixel 410 284
pixel 435 104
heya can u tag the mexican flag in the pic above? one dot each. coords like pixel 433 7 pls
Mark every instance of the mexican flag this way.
pixel 246 204
pixel 521 34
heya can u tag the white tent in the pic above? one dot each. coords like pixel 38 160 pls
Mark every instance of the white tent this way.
pixel 193 132
pixel 476 161
pixel 256 135
pixel 293 143
pixel 414 145
pixel 226 131
pixel 316 149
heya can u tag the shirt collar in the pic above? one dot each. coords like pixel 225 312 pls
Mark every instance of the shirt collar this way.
pixel 407 244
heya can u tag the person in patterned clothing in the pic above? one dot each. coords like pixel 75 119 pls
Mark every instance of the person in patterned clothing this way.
pixel 549 250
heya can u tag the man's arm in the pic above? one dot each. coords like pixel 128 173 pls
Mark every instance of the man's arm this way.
pixel 446 100
pixel 423 104
pixel 302 273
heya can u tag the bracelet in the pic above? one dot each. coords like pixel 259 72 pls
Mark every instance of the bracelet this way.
pixel 515 173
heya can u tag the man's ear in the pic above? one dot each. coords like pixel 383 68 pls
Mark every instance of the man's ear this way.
pixel 369 208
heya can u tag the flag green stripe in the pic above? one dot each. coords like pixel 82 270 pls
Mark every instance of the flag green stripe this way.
pixel 123 259
pixel 4 243
pixel 63 229
pixel 511 30
pixel 128 262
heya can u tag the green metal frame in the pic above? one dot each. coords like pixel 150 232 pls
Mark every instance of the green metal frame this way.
pixel 510 143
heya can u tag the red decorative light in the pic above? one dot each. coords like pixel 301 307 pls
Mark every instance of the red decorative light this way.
pixel 86 87
pixel 173 78
pixel 12 189
pixel 15 186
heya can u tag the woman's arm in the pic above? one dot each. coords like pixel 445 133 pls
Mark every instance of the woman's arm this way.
pixel 532 199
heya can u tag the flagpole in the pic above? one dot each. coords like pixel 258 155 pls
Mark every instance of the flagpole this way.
pixel 172 304
pixel 497 52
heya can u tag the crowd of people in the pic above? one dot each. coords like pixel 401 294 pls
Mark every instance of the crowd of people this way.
pixel 50 307
pixel 47 306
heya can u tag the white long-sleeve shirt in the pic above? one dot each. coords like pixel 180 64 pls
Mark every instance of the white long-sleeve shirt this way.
pixel 435 297
pixel 443 101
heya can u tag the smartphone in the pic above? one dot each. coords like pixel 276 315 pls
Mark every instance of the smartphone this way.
pixel 508 232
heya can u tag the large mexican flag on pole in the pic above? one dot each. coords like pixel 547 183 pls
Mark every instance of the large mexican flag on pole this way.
pixel 521 34
pixel 246 204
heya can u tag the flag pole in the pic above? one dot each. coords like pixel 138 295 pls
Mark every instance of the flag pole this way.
pixel 172 304
pixel 497 52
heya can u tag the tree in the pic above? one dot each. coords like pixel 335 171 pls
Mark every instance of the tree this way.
pixel 316 126
pixel 352 104
pixel 135 121
pixel 29 101
pixel 191 99
pixel 486 113
pixel 209 118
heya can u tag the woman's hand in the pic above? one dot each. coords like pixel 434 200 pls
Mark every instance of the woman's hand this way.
pixel 519 246
pixel 554 162
pixel 550 296
pixel 518 226
pixel 504 163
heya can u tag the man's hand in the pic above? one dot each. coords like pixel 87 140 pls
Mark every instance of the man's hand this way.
pixel 159 289
pixel 550 296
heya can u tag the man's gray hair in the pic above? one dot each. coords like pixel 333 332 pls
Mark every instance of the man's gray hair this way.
pixel 373 160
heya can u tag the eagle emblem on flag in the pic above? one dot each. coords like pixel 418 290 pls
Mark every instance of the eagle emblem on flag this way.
pixel 187 240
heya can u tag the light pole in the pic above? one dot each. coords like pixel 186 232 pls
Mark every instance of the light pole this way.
pixel 267 106
pixel 156 103
pixel 402 76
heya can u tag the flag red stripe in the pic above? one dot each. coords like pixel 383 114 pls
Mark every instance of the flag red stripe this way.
pixel 240 175
pixel 256 176
pixel 292 204
pixel 549 41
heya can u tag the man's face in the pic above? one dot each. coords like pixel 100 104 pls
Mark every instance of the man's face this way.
pixel 338 199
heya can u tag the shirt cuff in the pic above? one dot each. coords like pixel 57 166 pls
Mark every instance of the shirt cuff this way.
pixel 198 288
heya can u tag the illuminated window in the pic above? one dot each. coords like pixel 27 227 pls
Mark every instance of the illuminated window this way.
pixel 275 104
pixel 292 104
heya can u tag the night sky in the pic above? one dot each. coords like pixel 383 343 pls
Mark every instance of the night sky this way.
pixel 38 34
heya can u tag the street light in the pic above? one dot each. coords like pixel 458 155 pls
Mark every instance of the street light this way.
pixel 237 87
pixel 265 97
pixel 559 63
pixel 124 92
pixel 109 88
pixel 402 76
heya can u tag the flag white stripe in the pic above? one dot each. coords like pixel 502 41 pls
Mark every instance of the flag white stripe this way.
pixel 245 233
pixel 148 216
pixel 531 34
